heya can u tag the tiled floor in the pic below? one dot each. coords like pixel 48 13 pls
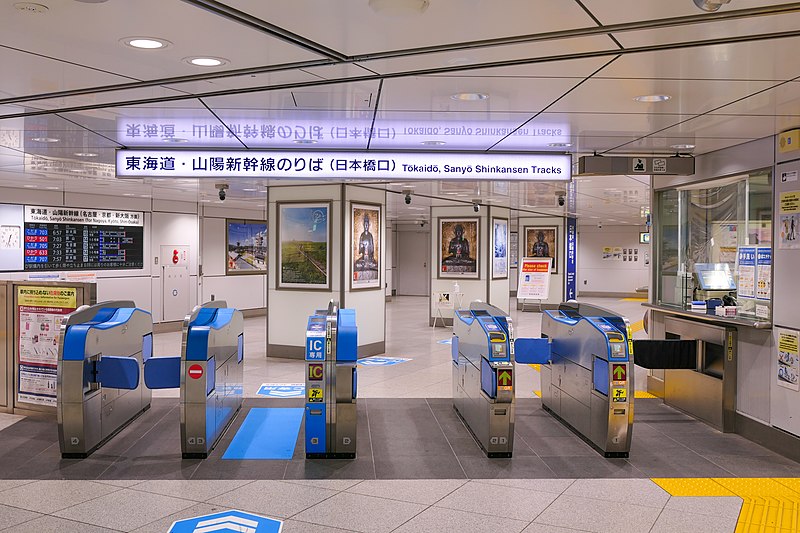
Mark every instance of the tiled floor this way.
pixel 417 469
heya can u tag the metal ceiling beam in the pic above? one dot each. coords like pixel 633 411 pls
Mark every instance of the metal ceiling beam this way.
pixel 419 72
pixel 245 19
pixel 564 34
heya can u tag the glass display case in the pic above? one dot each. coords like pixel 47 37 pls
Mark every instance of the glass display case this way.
pixel 713 246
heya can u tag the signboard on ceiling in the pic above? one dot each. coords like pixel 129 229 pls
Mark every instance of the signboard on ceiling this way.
pixel 222 164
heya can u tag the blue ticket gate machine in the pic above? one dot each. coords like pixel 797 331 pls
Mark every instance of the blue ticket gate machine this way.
pixel 100 356
pixel 483 376
pixel 209 373
pixel 331 383
pixel 587 373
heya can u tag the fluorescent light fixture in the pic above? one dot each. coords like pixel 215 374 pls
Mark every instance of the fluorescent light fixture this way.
pixel 207 61
pixel 433 143
pixel 145 43
pixel 710 5
pixel 52 188
pixel 469 97
pixel 85 154
pixel 29 186
pixel 305 141
pixel 682 147
pixel 249 190
pixel 649 98
pixel 128 194
pixel 559 145
pixel 45 139
pixel 175 140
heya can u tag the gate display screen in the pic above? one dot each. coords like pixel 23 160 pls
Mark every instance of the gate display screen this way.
pixel 63 238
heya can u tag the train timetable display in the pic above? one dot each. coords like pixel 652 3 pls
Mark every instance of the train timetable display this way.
pixel 61 238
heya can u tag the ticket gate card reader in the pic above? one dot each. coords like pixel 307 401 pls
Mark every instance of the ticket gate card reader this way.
pixel 588 379
pixel 209 372
pixel 483 376
pixel 100 357
pixel 331 383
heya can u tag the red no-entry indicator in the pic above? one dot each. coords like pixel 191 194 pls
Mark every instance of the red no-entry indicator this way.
pixel 195 372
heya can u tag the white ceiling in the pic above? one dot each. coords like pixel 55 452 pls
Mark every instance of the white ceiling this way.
pixel 565 66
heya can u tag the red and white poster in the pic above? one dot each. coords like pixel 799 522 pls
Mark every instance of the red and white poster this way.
pixel 534 278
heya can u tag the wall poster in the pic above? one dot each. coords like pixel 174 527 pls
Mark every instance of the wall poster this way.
pixel 459 251
pixel 542 241
pixel 304 232
pixel 534 278
pixel 39 314
pixel 246 245
pixel 365 242
pixel 499 248
pixel 788 366
pixel 513 249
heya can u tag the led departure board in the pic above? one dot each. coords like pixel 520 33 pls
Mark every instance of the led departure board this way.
pixel 61 238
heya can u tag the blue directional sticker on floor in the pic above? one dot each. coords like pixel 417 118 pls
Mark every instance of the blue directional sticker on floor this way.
pixel 230 521
pixel 446 341
pixel 282 390
pixel 382 361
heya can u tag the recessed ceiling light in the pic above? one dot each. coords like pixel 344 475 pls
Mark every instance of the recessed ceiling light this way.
pixel 433 143
pixel 53 188
pixel 710 5
pixel 175 140
pixel 31 8
pixel 559 145
pixel 29 186
pixel 45 139
pixel 682 147
pixel 250 190
pixel 649 98
pixel 469 97
pixel 85 154
pixel 128 194
pixel 206 61
pixel 145 43
pixel 261 205
pixel 205 201
pixel 144 195
pixel 305 141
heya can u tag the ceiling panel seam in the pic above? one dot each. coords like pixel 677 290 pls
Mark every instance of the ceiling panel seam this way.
pixel 421 72
pixel 68 62
pixel 551 104
pixel 705 113
pixel 548 36
pixel 90 130
pixel 375 113
pixel 223 123
pixel 597 21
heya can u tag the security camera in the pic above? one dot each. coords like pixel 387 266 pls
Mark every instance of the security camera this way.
pixel 476 206
pixel 222 187
pixel 407 198
pixel 599 225
pixel 561 200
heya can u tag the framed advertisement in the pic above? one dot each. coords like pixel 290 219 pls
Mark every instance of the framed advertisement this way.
pixel 513 249
pixel 459 250
pixel 245 247
pixel 499 248
pixel 542 241
pixel 365 246
pixel 304 236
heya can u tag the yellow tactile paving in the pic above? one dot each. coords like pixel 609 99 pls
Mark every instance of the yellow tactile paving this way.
pixel 637 326
pixel 538 368
pixel 692 487
pixel 538 393
pixel 643 394
pixel 769 505
pixel 633 300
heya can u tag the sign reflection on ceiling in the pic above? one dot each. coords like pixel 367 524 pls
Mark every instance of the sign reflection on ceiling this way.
pixel 342 165
pixel 343 133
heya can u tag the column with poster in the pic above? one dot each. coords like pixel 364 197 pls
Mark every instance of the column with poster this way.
pixel 39 314
pixel 788 364
pixel 534 278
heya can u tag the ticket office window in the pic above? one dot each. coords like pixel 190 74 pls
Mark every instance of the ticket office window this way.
pixel 702 233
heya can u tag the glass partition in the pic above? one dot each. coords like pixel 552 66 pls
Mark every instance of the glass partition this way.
pixel 714 244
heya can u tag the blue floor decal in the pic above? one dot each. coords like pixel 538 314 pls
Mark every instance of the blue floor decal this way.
pixel 266 433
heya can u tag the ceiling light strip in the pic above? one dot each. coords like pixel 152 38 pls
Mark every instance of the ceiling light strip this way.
pixel 420 72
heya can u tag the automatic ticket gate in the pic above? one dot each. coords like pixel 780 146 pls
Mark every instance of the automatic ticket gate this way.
pixel 100 357
pixel 483 376
pixel 331 383
pixel 587 373
pixel 106 348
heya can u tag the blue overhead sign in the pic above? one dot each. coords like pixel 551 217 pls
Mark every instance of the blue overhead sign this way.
pixel 227 521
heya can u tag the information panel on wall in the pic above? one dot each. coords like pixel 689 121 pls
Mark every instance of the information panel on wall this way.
pixel 63 238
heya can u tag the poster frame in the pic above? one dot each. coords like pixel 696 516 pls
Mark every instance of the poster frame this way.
pixel 491 247
pixel 234 272
pixel 378 284
pixel 279 285
pixel 476 252
pixel 554 253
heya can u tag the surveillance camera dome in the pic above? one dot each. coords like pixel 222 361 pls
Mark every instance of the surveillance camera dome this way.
pixel 561 201
pixel 408 198
pixel 222 195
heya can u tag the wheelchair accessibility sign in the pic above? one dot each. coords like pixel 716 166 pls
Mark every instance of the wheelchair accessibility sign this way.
pixel 282 390
pixel 230 521
pixel 382 361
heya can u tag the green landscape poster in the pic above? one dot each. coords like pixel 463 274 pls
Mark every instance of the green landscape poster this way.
pixel 303 252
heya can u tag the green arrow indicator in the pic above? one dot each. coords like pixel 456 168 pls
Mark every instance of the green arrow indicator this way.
pixel 619 372
pixel 504 378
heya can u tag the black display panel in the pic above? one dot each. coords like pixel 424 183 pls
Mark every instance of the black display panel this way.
pixel 72 246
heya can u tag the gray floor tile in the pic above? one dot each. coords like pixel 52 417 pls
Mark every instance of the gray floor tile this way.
pixel 437 519
pixel 273 498
pixel 124 483
pixel 360 513
pixel 634 491
pixel 419 467
pixel 519 504
pixel 599 516
pixel 296 526
pixel 330 484
pixel 11 516
pixel 8 420
pixel 554 486
pixel 545 528
pixel 707 505
pixel 678 522
pixel 125 509
pixel 6 484
pixel 496 468
pixel 755 465
pixel 60 525
pixel 196 490
pixel 423 491
pixel 592 467
pixel 53 495
pixel 163 524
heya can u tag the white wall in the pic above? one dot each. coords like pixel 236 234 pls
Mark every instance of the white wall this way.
pixel 596 275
